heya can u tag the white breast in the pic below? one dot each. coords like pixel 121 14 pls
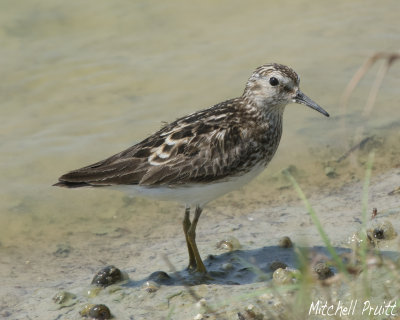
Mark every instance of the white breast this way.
pixel 193 194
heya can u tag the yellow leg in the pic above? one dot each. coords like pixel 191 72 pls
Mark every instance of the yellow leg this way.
pixel 191 238
pixel 186 227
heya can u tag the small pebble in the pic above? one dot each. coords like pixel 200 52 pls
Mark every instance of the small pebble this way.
pixel 64 299
pixel 151 286
pixel 86 308
pixel 100 311
pixel 388 230
pixel 378 233
pixel 276 265
pixel 285 276
pixel 199 316
pixel 382 231
pixel 62 296
pixel 96 312
pixel 160 277
pixel 285 242
pixel 107 276
pixel 229 244
pixel 323 271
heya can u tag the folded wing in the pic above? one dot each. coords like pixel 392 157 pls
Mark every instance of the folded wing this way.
pixel 194 149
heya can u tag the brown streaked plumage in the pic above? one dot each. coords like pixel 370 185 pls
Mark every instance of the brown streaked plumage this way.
pixel 205 154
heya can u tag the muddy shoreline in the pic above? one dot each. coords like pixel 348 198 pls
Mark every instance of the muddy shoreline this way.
pixel 33 276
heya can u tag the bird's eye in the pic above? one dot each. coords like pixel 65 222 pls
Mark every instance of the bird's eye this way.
pixel 273 81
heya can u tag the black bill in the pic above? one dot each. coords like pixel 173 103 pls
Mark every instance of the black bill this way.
pixel 303 99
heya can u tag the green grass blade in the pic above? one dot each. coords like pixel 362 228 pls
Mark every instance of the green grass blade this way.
pixel 364 201
pixel 317 223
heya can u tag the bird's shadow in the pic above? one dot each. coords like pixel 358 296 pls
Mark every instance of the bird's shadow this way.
pixel 237 267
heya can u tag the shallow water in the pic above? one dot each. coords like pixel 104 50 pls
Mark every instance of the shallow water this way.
pixel 81 82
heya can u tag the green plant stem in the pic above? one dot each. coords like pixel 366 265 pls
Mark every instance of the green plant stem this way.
pixel 364 201
pixel 317 223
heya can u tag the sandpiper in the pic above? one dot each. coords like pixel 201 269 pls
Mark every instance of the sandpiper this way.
pixel 206 154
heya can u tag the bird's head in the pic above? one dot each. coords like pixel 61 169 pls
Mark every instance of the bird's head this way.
pixel 273 86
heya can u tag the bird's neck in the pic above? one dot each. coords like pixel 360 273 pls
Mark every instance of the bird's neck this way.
pixel 264 111
pixel 267 122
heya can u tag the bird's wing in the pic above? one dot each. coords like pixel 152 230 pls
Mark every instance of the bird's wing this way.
pixel 195 149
